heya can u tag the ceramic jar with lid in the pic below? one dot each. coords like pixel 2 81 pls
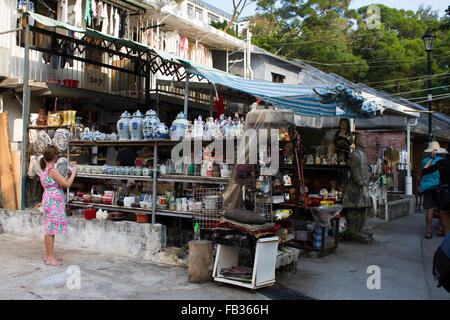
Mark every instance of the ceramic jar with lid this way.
pixel 135 126
pixel 161 131
pixel 178 128
pixel 123 127
pixel 150 120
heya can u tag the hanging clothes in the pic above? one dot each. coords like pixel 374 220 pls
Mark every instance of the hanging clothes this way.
pixel 88 13
pixel 94 9
pixel 111 21
pixel 105 19
pixel 116 23
pixel 68 49
pixel 123 31
pixel 99 10
pixel 64 9
pixel 184 47
pixel 78 13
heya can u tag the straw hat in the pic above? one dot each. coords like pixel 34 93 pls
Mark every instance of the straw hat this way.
pixel 436 147
pixel 392 156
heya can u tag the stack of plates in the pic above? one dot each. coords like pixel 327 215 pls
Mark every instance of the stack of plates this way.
pixel 61 139
pixel 42 140
pixel 63 166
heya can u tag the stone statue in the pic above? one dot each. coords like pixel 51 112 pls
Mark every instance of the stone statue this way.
pixel 356 200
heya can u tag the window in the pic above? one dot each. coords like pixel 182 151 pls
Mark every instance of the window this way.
pixel 190 11
pixel 212 18
pixel 198 14
pixel 277 77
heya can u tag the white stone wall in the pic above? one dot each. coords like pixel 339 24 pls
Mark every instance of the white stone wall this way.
pixel 126 238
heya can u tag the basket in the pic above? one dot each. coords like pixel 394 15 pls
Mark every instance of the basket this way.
pixel 142 217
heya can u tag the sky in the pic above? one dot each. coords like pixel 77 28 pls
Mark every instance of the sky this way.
pixel 440 5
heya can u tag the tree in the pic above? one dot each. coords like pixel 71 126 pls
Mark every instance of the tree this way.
pixel 238 7
pixel 333 38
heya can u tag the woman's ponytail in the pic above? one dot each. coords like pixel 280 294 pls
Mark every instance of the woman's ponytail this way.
pixel 42 163
pixel 49 153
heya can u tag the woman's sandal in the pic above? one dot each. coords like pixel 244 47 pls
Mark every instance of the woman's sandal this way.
pixel 440 233
pixel 428 235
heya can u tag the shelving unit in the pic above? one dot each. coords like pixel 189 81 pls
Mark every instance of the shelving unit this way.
pixel 155 178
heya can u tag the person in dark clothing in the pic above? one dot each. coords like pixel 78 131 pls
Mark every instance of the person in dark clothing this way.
pixel 126 157
pixel 443 166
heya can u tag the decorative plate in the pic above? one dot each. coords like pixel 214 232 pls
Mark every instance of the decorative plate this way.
pixel 43 140
pixel 61 139
pixel 63 166
pixel 37 165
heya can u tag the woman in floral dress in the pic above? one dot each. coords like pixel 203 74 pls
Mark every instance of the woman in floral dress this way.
pixel 53 200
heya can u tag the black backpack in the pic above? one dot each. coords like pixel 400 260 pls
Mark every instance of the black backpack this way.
pixel 441 269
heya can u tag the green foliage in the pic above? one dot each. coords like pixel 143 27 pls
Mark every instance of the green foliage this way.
pixel 222 25
pixel 333 38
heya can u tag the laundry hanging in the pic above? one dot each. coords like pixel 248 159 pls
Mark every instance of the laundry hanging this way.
pixel 105 19
pixel 116 23
pixel 111 21
pixel 78 13
pixel 99 9
pixel 64 13
pixel 88 13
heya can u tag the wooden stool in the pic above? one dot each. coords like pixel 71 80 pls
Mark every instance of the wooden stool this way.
pixel 201 261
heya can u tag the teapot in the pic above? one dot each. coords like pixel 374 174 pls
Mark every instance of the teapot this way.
pixel 283 213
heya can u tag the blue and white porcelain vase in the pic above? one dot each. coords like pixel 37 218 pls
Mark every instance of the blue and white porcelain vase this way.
pixel 150 121
pixel 123 126
pixel 178 127
pixel 161 131
pixel 136 126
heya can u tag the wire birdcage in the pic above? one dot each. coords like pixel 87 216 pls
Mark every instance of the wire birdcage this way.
pixel 211 206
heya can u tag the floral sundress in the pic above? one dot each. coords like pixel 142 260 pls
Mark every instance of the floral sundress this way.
pixel 53 204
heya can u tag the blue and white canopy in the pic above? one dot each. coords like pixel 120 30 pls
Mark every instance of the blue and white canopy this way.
pixel 302 100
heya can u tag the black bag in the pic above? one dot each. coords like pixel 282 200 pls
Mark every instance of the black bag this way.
pixel 444 196
pixel 441 269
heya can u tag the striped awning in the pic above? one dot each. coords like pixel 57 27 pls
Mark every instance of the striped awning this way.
pixel 302 100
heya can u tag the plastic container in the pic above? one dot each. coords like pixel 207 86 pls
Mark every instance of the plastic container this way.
pixel 71 83
pixel 89 214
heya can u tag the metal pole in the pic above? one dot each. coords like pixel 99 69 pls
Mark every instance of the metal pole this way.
pixel 186 95
pixel 430 124
pixel 155 175
pixel 25 115
pixel 147 87
pixel 408 178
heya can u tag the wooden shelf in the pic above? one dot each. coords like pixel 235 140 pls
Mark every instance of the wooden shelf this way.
pixel 161 212
pixel 161 142
pixel 48 127
pixel 167 178
pixel 113 177
pixel 193 179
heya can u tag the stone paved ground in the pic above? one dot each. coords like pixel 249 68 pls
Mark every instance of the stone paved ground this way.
pixel 403 256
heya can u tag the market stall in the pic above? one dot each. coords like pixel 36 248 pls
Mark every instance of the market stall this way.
pixel 130 165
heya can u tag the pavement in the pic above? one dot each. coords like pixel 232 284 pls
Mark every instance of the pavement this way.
pixel 399 254
pixel 402 258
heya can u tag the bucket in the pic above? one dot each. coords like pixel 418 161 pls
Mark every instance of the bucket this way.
pixel 90 214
